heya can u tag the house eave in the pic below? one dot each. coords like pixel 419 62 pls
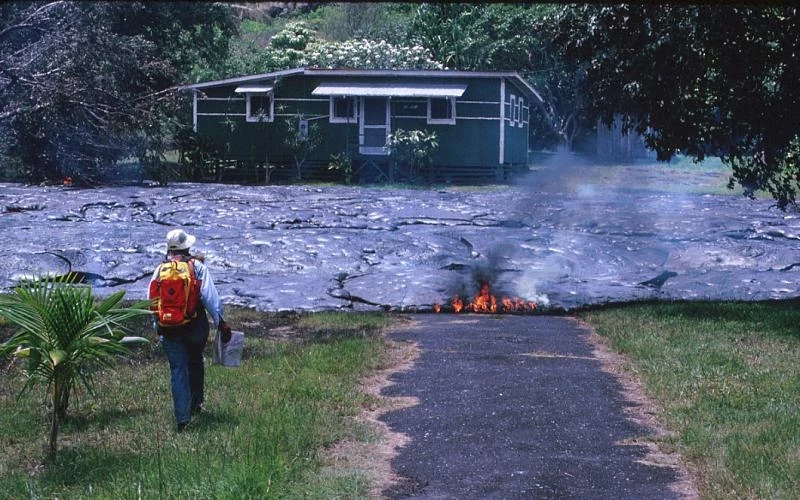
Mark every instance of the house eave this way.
pixel 409 73
pixel 243 79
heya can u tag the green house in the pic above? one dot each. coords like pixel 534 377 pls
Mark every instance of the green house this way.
pixel 481 120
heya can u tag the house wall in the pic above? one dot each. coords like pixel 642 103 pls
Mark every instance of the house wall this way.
pixel 516 122
pixel 474 141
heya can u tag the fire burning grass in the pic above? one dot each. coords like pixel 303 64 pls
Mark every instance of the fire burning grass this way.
pixel 484 302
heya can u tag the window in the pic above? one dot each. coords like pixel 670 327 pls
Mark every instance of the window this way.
pixel 374 126
pixel 442 110
pixel 259 107
pixel 514 109
pixel 343 109
pixel 519 112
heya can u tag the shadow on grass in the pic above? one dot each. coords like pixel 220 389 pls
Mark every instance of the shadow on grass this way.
pixel 100 419
pixel 73 465
pixel 213 420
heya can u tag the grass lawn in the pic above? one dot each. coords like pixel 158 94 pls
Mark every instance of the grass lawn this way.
pixel 261 436
pixel 726 379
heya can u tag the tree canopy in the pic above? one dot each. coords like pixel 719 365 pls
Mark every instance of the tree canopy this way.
pixel 699 80
pixel 83 84
pixel 79 80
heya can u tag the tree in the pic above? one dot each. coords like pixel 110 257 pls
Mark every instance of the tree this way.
pixel 368 20
pixel 509 37
pixel 447 30
pixel 303 137
pixel 298 45
pixel 79 81
pixel 698 80
pixel 65 336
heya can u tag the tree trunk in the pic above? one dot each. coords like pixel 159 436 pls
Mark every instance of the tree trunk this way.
pixel 53 436
pixel 57 413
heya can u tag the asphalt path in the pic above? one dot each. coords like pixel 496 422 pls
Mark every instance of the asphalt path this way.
pixel 516 407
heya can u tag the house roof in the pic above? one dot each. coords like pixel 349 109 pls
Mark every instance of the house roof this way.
pixel 401 74
pixel 393 89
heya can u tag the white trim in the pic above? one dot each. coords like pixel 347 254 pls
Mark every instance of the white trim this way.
pixel 443 121
pixel 261 118
pixel 502 142
pixel 221 99
pixel 460 118
pixel 390 89
pixel 487 118
pixel 305 117
pixel 262 89
pixel 373 150
pixel 299 99
pixel 342 119
pixel 512 110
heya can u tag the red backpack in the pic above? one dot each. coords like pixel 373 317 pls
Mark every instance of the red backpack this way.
pixel 175 293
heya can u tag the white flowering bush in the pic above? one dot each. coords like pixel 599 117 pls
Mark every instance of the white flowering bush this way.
pixel 367 54
pixel 295 36
pixel 298 45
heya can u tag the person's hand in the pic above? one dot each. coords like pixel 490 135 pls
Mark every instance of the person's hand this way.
pixel 225 331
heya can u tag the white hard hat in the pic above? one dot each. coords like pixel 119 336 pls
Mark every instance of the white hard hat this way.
pixel 178 239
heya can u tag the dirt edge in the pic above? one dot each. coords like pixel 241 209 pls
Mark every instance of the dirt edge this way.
pixel 642 411
pixel 372 459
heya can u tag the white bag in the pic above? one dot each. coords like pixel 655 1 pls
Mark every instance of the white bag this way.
pixel 229 353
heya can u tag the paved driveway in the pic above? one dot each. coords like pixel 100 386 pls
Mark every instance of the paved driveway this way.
pixel 515 407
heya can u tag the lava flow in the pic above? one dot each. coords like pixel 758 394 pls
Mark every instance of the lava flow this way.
pixel 486 303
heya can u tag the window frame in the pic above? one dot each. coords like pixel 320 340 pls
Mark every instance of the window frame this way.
pixel 363 126
pixel 333 118
pixel 259 118
pixel 512 110
pixel 443 121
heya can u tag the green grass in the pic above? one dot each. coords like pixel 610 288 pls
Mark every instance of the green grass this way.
pixel 261 436
pixel 726 377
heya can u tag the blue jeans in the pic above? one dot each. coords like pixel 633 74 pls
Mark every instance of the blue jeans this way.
pixel 187 372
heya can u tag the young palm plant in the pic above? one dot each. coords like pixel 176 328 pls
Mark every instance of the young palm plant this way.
pixel 66 335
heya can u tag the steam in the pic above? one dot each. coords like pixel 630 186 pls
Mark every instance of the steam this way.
pixel 588 189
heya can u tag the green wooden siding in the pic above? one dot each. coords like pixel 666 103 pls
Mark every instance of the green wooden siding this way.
pixel 473 141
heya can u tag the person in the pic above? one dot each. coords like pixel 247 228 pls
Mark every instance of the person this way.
pixel 184 345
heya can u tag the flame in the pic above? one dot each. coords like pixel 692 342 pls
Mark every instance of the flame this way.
pixel 486 303
pixel 518 304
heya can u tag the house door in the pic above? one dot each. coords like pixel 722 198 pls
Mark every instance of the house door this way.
pixel 374 126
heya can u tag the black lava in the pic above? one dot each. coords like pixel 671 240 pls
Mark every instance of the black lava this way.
pixel 563 238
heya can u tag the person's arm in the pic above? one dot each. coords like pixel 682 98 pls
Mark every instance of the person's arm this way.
pixel 149 285
pixel 208 293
